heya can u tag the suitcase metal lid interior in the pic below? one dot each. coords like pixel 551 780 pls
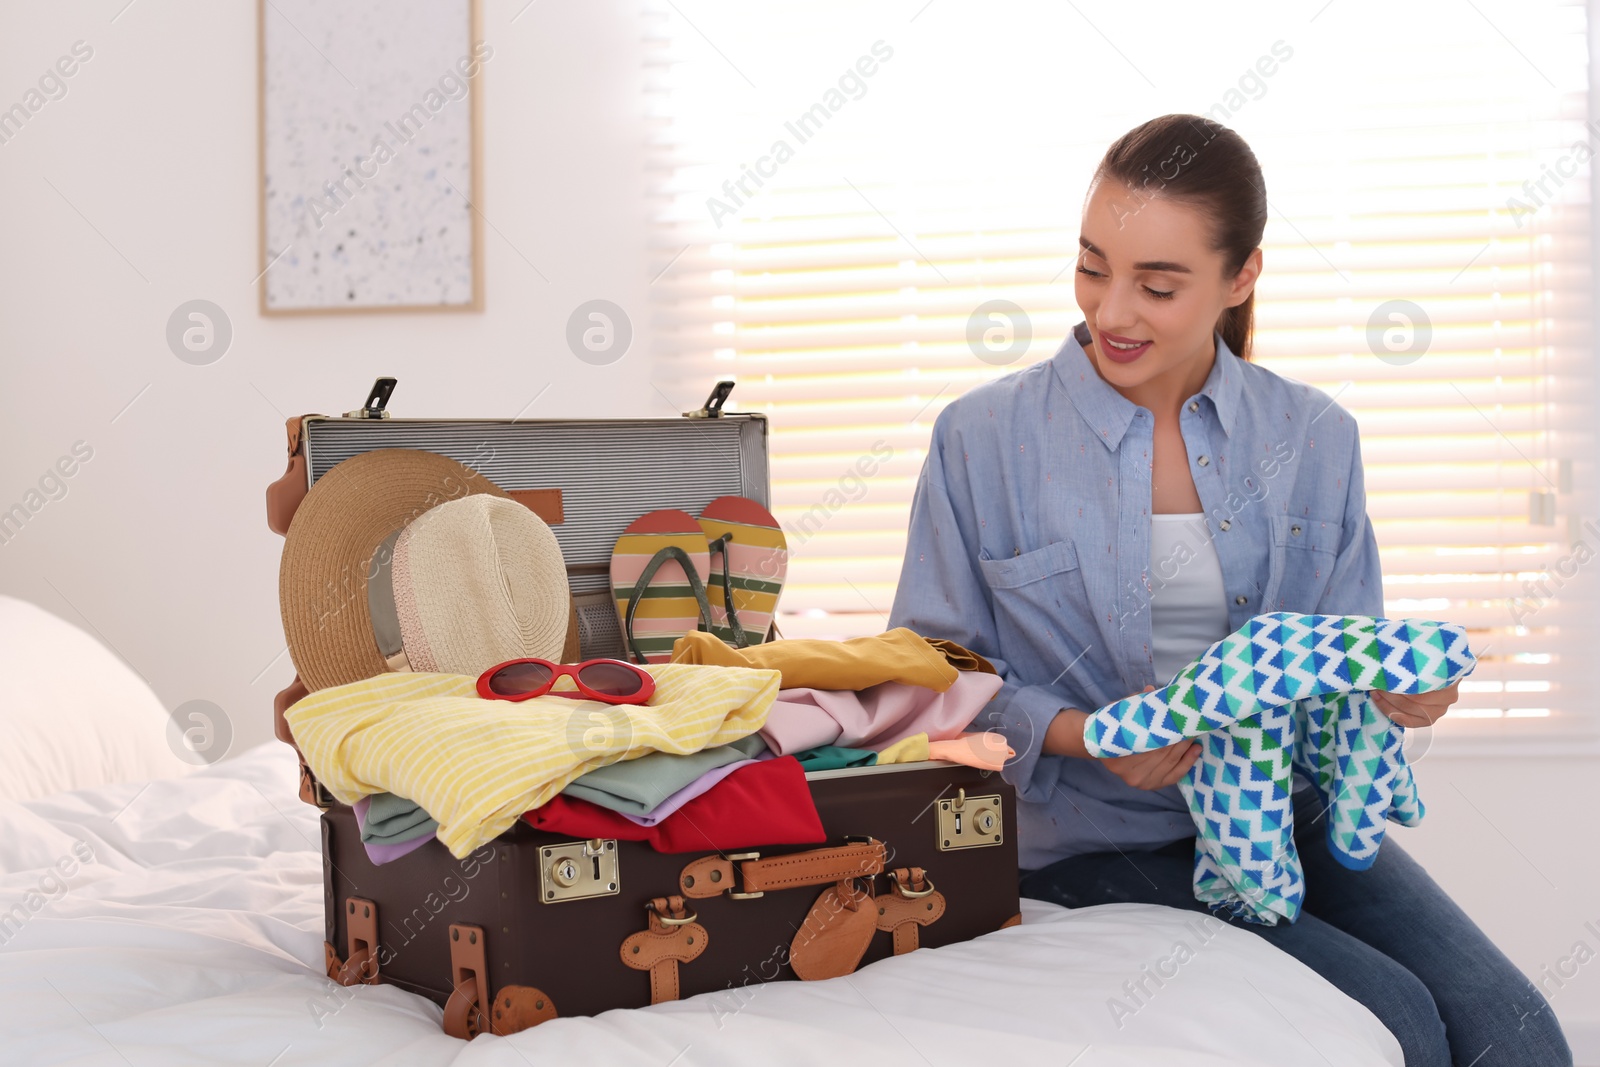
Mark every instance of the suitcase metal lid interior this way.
pixel 608 473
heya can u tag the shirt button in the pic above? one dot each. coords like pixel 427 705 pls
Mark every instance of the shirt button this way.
pixel 1239 599
pixel 1203 461
pixel 1194 405
pixel 1295 530
pixel 1225 523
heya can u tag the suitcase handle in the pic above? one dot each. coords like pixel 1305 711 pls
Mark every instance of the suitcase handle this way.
pixel 746 875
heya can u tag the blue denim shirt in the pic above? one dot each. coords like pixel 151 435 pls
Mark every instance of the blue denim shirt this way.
pixel 1029 543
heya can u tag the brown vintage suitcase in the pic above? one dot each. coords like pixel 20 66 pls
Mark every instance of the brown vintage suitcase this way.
pixel 534 925
pixel 501 919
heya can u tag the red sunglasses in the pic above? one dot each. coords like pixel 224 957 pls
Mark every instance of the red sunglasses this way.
pixel 610 680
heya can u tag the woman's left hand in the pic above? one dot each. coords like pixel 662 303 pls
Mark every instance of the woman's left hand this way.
pixel 1420 709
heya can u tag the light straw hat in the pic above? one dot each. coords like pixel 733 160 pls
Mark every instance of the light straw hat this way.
pixel 479 581
pixel 335 545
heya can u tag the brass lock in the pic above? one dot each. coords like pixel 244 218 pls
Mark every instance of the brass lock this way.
pixel 577 870
pixel 564 872
pixel 969 822
pixel 985 821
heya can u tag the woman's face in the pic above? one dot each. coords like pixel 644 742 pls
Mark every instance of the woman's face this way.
pixel 1150 285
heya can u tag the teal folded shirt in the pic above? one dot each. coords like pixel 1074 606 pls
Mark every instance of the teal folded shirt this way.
pixel 833 757
pixel 638 786
pixel 393 820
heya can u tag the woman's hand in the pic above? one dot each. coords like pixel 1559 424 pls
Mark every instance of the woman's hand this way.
pixel 1420 709
pixel 1156 769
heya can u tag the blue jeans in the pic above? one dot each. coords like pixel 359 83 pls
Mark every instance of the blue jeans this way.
pixel 1388 936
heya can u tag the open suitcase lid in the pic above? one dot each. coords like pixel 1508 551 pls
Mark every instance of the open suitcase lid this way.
pixel 582 476
pixel 586 478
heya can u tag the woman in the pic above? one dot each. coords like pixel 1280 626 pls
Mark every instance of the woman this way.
pixel 1093 522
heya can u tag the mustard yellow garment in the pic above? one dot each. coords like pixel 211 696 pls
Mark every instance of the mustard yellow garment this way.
pixel 913 749
pixel 476 765
pixel 898 655
pixel 961 658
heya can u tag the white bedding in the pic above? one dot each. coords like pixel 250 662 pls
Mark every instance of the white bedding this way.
pixel 180 922
pixel 74 715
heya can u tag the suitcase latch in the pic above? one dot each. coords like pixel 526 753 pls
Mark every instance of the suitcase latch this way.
pixel 969 822
pixel 577 870
pixel 712 409
pixel 377 404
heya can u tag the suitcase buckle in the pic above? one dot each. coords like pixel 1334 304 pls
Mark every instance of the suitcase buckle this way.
pixel 738 873
pixel 666 919
pixel 902 886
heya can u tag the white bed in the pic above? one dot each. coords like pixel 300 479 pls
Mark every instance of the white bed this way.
pixel 179 921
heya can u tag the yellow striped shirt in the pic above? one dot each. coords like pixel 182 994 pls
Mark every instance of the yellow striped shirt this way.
pixel 477 765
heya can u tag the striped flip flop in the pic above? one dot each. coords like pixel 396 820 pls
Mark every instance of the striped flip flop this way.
pixel 749 560
pixel 659 570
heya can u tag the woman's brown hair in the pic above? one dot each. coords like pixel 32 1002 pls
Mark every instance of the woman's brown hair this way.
pixel 1201 162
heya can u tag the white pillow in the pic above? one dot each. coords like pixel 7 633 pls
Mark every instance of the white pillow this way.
pixel 72 715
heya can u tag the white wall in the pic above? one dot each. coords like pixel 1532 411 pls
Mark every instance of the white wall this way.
pixel 1514 842
pixel 160 543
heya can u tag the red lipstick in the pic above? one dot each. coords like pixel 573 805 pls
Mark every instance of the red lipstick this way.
pixel 1125 353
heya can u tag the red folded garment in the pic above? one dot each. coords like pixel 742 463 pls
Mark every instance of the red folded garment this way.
pixel 766 803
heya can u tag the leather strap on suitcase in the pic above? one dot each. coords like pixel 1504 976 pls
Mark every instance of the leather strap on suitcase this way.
pixel 712 876
pixel 673 937
pixel 836 931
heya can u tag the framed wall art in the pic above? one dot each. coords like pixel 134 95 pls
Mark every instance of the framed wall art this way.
pixel 368 138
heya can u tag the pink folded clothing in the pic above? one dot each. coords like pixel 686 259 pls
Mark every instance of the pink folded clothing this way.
pixel 986 751
pixel 877 716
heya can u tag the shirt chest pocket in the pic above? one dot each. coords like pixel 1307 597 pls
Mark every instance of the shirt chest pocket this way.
pixel 1300 561
pixel 1038 596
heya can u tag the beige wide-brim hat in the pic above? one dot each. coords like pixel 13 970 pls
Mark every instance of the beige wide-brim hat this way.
pixel 479 581
pixel 333 549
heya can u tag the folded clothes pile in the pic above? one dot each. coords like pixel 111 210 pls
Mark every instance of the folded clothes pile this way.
pixel 476 765
pixel 435 711
pixel 867 693
pixel 716 758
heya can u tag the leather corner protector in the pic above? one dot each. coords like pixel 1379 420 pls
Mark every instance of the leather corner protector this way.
pixel 331 961
pixel 518 1007
pixel 286 699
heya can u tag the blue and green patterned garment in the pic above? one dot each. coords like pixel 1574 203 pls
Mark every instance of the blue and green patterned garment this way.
pixel 1283 691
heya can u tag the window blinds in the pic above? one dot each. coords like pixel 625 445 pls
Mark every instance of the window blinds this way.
pixel 840 187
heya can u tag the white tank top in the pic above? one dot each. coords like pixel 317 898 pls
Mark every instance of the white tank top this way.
pixel 1188 603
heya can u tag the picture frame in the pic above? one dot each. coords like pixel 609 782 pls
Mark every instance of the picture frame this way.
pixel 369 156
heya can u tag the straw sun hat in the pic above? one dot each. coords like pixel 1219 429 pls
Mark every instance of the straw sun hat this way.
pixel 404 559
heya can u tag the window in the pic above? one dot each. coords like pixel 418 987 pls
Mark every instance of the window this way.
pixel 843 187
